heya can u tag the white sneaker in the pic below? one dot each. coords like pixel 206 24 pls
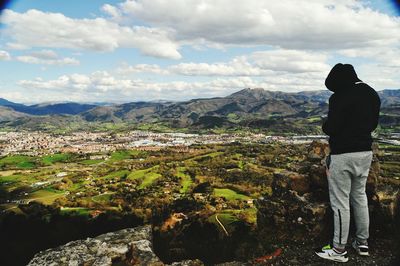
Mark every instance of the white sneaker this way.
pixel 329 253
pixel 361 249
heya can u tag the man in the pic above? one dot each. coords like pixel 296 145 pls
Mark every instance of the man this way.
pixel 353 114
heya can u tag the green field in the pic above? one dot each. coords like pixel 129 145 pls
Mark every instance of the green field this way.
pixel 123 155
pixel 18 161
pixel 75 211
pixel 55 158
pixel 14 181
pixel 186 181
pixel 91 162
pixel 103 198
pixel 75 186
pixel 45 196
pixel 148 175
pixel 11 178
pixel 138 174
pixel 119 156
pixel 117 174
pixel 149 179
pixel 229 194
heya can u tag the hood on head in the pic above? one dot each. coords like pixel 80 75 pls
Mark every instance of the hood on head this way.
pixel 341 76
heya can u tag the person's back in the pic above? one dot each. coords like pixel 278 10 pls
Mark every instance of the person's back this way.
pixel 353 114
pixel 353 111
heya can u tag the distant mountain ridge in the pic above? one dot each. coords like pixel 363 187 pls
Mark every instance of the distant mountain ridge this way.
pixel 48 108
pixel 250 107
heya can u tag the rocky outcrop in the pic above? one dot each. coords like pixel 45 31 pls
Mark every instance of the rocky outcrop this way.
pixel 299 202
pixel 132 246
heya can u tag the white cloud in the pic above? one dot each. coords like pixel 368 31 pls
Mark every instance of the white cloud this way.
pixel 16 46
pixel 45 54
pixel 316 24
pixel 4 56
pixel 103 85
pixel 142 68
pixel 291 61
pixel 262 63
pixel 381 77
pixel 46 57
pixel 111 10
pixel 383 57
pixel 35 28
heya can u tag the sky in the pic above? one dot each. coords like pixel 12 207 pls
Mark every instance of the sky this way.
pixel 147 50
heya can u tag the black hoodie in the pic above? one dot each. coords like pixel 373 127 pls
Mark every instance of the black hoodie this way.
pixel 353 111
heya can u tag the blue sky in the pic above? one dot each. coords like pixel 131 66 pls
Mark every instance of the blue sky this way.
pixel 130 50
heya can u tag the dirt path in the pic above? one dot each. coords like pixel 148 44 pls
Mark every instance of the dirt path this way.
pixel 219 222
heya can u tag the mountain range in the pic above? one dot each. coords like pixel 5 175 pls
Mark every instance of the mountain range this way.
pixel 245 108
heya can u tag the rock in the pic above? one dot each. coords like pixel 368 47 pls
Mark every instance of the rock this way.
pixel 300 201
pixel 292 213
pixel 187 263
pixel 317 175
pixel 175 218
pixel 317 150
pixel 131 245
pixel 286 180
pixel 299 183
pixel 373 176
pixel 389 199
pixel 235 263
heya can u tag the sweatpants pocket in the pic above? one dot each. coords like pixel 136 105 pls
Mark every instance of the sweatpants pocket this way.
pixel 328 161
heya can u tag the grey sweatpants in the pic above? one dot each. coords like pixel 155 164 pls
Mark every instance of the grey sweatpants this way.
pixel 347 178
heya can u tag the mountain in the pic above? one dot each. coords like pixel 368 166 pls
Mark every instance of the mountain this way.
pixel 4 102
pixel 58 108
pixel 255 108
pixel 390 98
pixel 134 112
pixel 8 114
pixel 247 107
pixel 48 108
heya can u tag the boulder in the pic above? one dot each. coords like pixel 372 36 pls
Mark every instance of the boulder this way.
pixel 389 201
pixel 317 151
pixel 291 213
pixel 317 173
pixel 195 262
pixel 373 176
pixel 286 180
pixel 132 246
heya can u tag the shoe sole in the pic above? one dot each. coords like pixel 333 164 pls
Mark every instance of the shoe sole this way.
pixel 333 258
pixel 360 252
pixel 363 253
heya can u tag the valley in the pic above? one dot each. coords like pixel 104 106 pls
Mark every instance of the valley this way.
pixel 171 181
